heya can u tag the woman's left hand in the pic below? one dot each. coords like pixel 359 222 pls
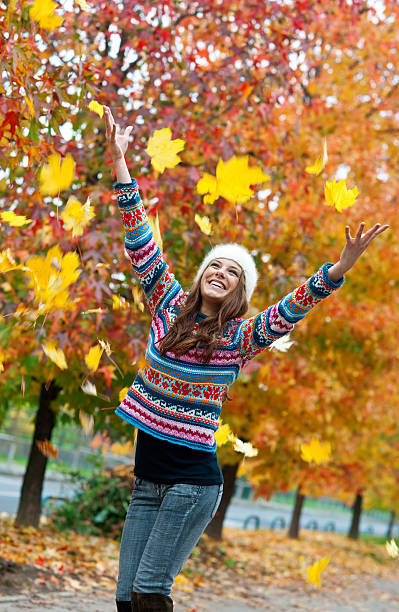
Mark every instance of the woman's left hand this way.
pixel 354 248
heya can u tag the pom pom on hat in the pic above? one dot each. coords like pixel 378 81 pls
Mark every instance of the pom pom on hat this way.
pixel 240 255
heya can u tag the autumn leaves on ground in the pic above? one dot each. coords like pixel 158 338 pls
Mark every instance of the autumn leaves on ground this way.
pixel 243 565
pixel 271 124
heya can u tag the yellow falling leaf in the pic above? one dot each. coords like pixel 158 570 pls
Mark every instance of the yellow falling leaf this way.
pixel 232 182
pixel 7 261
pixel 204 224
pixel 93 357
pixel 55 354
pixel 316 451
pixel 57 175
pixel 47 449
pixel 320 162
pixel 2 360
pixel 42 11
pixel 14 220
pixel 314 572
pixel 76 215
pixel 96 107
pixel 156 231
pixel 392 549
pixel 163 150
pixel 119 303
pixel 245 448
pixel 224 434
pixel 337 194
pixel 136 294
pixel 123 393
pixel 86 422
pixel 208 185
pixel 51 277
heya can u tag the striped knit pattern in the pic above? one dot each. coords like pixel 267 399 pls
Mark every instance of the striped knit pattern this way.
pixel 179 399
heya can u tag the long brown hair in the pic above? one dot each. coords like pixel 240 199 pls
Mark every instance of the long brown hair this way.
pixel 180 338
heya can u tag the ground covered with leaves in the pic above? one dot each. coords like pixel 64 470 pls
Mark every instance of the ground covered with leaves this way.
pixel 244 564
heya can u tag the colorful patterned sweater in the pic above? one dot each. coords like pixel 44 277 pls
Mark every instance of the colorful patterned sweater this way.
pixel 179 399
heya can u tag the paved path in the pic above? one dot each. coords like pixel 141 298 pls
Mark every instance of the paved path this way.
pixel 380 596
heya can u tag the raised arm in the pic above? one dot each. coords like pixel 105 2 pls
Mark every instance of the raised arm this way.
pixel 140 247
pixel 257 333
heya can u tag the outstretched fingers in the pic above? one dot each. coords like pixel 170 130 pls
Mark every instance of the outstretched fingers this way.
pixel 375 231
pixel 360 230
pixel 368 236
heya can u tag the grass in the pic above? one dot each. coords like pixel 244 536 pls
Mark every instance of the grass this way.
pixel 372 539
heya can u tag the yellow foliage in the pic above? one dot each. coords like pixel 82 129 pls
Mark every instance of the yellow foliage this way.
pixel 51 277
pixel 55 354
pixel 42 11
pixel 204 224
pixel 163 150
pixel 136 293
pixel 76 215
pixel 123 393
pixel 119 303
pixel 2 360
pixel 7 262
pixel 224 434
pixel 320 162
pixel 316 451
pixel 232 182
pixel 56 175
pixel 337 194
pixel 314 572
pixel 93 357
pixel 14 220
pixel 95 106
pixel 156 231
pixel 29 104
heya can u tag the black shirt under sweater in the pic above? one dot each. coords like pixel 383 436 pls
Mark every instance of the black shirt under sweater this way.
pixel 161 462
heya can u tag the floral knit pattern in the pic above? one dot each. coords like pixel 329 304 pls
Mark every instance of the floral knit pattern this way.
pixel 179 399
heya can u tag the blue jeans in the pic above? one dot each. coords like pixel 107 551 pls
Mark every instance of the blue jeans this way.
pixel 163 524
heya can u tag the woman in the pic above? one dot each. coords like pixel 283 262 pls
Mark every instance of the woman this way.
pixel 197 345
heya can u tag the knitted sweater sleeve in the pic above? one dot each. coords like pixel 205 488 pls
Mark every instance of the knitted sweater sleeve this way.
pixel 257 333
pixel 145 255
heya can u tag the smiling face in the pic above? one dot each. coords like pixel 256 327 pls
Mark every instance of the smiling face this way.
pixel 219 280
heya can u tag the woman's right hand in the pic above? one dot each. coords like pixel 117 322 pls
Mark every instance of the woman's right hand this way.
pixel 117 143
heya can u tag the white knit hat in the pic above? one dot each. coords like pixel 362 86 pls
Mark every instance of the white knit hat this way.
pixel 240 255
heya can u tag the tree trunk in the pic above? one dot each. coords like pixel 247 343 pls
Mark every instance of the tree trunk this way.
pixel 293 531
pixel 357 511
pixel 214 529
pixel 391 524
pixel 30 502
